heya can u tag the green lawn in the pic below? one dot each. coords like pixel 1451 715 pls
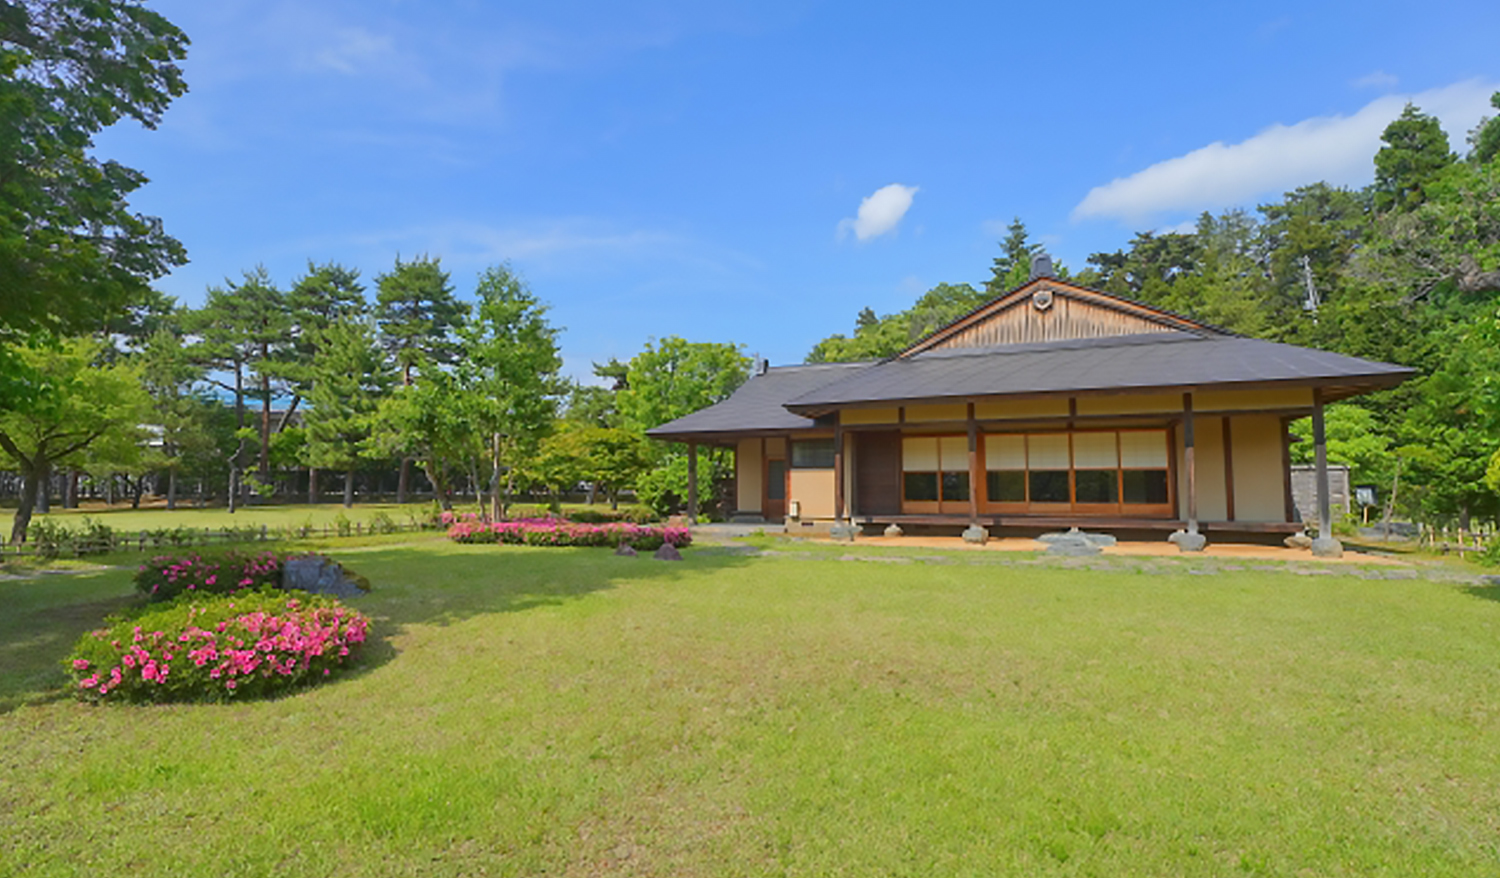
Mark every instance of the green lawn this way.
pixel 559 711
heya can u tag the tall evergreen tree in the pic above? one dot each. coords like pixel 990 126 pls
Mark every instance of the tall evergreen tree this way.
pixel 509 364
pixel 244 329
pixel 71 250
pixel 1415 152
pixel 350 377
pixel 1012 267
pixel 1484 140
pixel 417 314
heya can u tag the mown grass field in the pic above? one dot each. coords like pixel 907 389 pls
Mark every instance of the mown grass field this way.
pixel 568 712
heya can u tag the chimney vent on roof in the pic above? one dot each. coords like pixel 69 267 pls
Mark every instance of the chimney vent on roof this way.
pixel 761 365
pixel 1041 266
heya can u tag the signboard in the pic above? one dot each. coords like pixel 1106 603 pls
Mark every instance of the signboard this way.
pixel 1364 495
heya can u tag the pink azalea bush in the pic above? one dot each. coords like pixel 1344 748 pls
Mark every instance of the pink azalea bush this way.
pixel 205 647
pixel 164 577
pixel 560 532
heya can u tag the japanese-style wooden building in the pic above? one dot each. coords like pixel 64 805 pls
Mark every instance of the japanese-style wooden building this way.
pixel 1051 406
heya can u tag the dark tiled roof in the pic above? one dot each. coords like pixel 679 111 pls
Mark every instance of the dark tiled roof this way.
pixel 1132 362
pixel 760 403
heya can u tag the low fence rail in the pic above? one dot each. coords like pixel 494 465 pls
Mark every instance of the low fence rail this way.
pixel 78 545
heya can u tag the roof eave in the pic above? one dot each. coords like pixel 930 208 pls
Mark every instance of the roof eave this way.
pixel 1341 387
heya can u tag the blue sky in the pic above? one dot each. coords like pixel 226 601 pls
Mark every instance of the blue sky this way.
pixel 699 169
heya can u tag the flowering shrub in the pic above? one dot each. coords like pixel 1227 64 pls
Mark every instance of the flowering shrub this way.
pixel 164 577
pixel 558 532
pixel 204 647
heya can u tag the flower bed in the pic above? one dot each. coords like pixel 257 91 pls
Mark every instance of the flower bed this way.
pixel 559 532
pixel 164 577
pixel 204 647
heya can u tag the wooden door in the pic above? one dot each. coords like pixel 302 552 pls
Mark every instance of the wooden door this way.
pixel 773 504
pixel 877 472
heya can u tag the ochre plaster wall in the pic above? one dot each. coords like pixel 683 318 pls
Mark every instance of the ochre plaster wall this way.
pixel 813 491
pixel 1259 479
pixel 747 489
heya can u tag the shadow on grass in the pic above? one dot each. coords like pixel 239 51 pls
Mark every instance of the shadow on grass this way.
pixel 432 584
pixel 1484 592
pixel 44 617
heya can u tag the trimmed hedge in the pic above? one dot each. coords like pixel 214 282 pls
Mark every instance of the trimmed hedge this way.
pixel 206 647
pixel 557 532
pixel 164 577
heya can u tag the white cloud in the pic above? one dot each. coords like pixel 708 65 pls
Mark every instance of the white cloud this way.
pixel 1336 149
pixel 1377 79
pixel 353 48
pixel 880 213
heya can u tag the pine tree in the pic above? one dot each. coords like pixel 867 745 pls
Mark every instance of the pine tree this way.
pixel 1415 151
pixel 1012 267
pixel 349 379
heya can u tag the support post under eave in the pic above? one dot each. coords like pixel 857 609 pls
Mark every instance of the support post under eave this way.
pixel 692 498
pixel 842 528
pixel 974 533
pixel 1189 540
pixel 838 474
pixel 1325 546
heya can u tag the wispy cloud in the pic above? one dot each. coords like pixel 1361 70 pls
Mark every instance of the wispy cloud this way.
pixel 880 213
pixel 1336 149
pixel 1377 79
pixel 352 49
pixel 572 246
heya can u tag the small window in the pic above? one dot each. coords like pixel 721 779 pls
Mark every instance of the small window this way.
pixel 921 486
pixel 812 454
pixel 955 486
pixel 776 479
pixel 1006 486
pixel 1049 486
pixel 1097 485
pixel 1145 486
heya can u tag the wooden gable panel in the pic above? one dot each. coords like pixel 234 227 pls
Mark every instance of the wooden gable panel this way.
pixel 1069 312
pixel 1067 318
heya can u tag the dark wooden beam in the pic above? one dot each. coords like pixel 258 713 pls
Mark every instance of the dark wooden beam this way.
pixel 838 473
pixel 1320 452
pixel 1228 470
pixel 976 474
pixel 692 498
pixel 1189 459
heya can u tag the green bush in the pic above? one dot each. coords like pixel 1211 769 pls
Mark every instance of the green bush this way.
pixel 632 514
pixel 53 538
pixel 204 647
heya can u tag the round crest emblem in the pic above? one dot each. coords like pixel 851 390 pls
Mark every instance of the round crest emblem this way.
pixel 1042 299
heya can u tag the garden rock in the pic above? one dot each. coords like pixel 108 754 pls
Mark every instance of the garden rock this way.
pixel 1073 535
pixel 667 552
pixel 321 575
pixel 843 532
pixel 1068 545
pixel 626 550
pixel 1327 547
pixel 1298 541
pixel 894 530
pixel 976 534
pixel 1188 541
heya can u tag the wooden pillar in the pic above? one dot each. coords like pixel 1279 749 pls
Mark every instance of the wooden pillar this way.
pixel 1188 459
pixel 838 473
pixel 1320 450
pixel 692 498
pixel 975 473
pixel 1228 470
